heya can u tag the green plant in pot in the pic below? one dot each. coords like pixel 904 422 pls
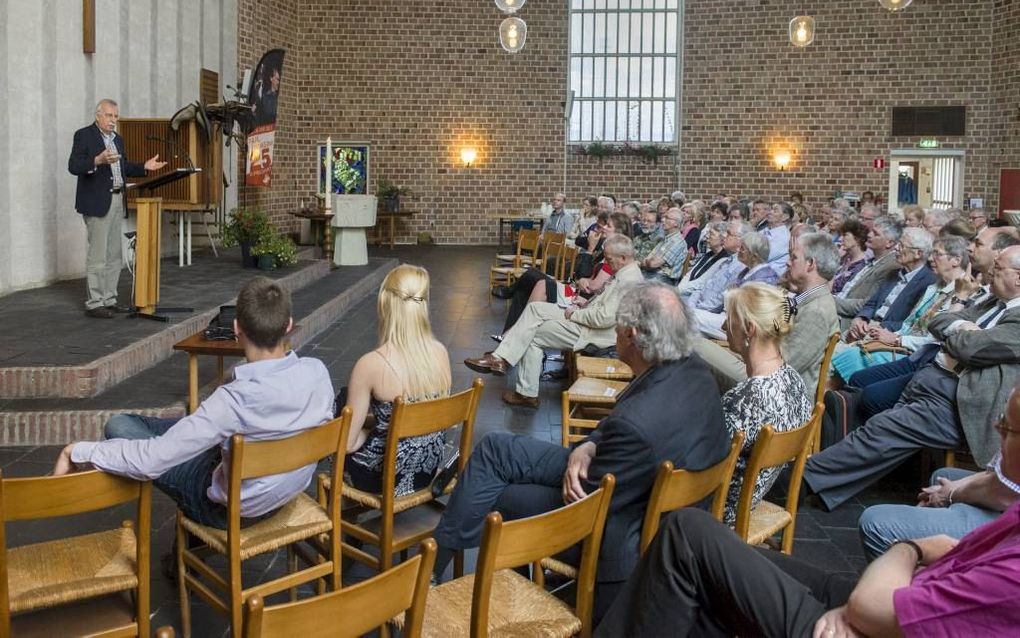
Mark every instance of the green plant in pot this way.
pixel 275 251
pixel 245 228
pixel 390 193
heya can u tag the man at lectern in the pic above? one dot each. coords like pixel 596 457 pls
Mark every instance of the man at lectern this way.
pixel 97 158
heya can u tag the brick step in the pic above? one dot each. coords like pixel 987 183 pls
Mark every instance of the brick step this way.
pixel 161 390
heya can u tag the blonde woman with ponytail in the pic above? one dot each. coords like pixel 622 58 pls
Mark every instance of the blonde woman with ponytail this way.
pixel 758 318
pixel 408 363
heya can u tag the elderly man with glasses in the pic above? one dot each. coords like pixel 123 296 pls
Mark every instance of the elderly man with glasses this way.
pixel 978 219
pixel 666 261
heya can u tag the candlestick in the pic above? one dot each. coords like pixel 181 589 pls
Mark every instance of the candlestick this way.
pixel 329 174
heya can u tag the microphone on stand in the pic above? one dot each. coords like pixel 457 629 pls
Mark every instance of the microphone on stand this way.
pixel 176 148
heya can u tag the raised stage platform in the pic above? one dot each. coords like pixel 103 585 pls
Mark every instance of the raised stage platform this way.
pixel 62 374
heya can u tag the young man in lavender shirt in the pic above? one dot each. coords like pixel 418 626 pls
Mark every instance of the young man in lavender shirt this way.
pixel 698 578
pixel 275 394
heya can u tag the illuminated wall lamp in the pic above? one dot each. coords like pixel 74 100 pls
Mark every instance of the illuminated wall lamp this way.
pixel 802 31
pixel 468 156
pixel 782 160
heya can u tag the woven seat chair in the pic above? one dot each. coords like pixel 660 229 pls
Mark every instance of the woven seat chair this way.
pixel 823 376
pixel 394 523
pixel 773 449
pixel 602 368
pixel 674 489
pixel 506 271
pixel 584 404
pixel 92 570
pixel 302 519
pixel 496 600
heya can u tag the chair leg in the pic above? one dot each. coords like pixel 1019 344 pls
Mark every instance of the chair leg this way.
pixel 291 568
pixel 458 563
pixel 182 581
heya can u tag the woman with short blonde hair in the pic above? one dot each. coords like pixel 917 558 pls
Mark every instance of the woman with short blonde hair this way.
pixel 408 363
pixel 758 318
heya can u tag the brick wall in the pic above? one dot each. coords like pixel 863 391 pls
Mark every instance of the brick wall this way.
pixel 419 81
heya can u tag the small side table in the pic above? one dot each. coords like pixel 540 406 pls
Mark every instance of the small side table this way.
pixel 196 345
pixel 322 229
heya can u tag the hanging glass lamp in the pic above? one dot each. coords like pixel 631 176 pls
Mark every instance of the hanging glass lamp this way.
pixel 512 33
pixel 509 6
pixel 895 5
pixel 802 31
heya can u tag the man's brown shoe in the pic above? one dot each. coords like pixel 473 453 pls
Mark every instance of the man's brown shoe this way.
pixel 512 397
pixel 488 364
pixel 99 312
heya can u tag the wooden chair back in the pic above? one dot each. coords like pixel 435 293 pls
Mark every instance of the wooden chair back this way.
pixel 773 449
pixel 528 241
pixel 528 540
pixel 552 255
pixel 674 489
pixel 426 417
pixel 23 499
pixel 357 610
pixel 823 372
pixel 565 267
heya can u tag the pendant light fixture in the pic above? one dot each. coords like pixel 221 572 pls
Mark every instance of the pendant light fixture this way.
pixel 802 31
pixel 509 6
pixel 895 5
pixel 512 34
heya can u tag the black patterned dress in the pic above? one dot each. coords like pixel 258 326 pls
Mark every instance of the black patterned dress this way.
pixel 779 399
pixel 417 457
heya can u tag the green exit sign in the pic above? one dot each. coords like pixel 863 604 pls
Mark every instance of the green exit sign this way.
pixel 928 144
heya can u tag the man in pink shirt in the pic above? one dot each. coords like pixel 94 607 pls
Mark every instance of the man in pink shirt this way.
pixel 699 579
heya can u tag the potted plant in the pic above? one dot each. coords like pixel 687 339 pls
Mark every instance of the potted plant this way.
pixel 245 228
pixel 275 251
pixel 391 194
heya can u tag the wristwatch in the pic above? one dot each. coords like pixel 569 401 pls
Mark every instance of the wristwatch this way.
pixel 966 303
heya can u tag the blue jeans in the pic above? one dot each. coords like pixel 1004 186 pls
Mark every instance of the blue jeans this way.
pixel 186 483
pixel 882 525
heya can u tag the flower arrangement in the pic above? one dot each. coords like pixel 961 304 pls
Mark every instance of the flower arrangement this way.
pixel 279 246
pixel 649 153
pixel 245 226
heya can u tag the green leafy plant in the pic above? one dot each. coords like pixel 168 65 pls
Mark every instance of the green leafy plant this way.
pixel 385 189
pixel 598 149
pixel 245 226
pixel 279 246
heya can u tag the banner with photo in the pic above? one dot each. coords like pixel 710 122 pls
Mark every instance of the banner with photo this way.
pixel 263 96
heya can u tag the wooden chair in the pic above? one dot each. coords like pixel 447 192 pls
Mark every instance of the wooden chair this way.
pixel 92 570
pixel 565 266
pixel 773 449
pixel 674 489
pixel 497 600
pixel 394 523
pixel 823 375
pixel 584 404
pixel 602 368
pixel 302 519
pixel 354 610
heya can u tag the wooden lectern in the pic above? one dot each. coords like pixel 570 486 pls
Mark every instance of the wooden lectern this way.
pixel 147 245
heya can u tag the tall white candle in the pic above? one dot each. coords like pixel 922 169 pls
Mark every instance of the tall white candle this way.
pixel 328 184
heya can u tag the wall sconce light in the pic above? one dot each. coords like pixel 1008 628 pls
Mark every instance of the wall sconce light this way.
pixel 895 5
pixel 512 34
pixel 782 160
pixel 468 155
pixel 510 6
pixel 802 31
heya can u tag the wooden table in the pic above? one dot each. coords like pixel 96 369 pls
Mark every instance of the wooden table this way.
pixel 382 217
pixel 509 217
pixel 322 229
pixel 196 345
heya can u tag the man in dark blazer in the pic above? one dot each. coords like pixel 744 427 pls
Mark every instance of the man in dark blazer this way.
pixel 898 294
pixel 670 412
pixel 98 159
pixel 958 397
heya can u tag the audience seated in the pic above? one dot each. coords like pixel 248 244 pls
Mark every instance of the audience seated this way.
pixel 648 233
pixel 779 218
pixel 520 475
pixel 697 579
pixel 936 218
pixel 274 395
pixel 693 215
pixel 707 263
pixel 898 294
pixel 759 317
pixel 854 254
pixel 753 253
pixel 949 261
pixel 882 240
pixel 759 214
pixel 666 261
pixel 586 219
pixel 548 325
pixel 812 261
pixel 559 221
pixel 978 219
pixel 962 391
pixel 408 363
pixel 710 295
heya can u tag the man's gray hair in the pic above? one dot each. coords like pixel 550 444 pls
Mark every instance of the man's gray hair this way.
pixel 103 101
pixel 757 246
pixel 888 228
pixel 942 216
pixel 719 227
pixel 619 246
pixel 955 246
pixel 818 247
pixel 679 197
pixel 742 227
pixel 663 327
pixel 1004 238
pixel 919 239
